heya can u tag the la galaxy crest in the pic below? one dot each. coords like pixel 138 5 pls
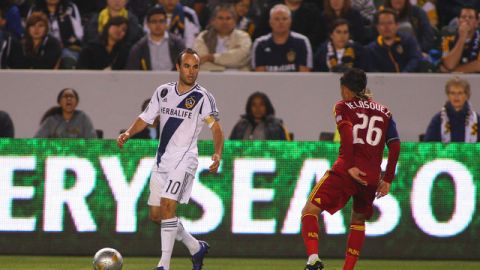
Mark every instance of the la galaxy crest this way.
pixel 190 102
pixel 291 56
pixel 164 92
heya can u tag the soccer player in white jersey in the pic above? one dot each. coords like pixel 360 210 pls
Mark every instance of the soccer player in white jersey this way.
pixel 182 107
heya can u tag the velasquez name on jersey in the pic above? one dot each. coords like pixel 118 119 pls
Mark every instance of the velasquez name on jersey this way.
pixel 367 104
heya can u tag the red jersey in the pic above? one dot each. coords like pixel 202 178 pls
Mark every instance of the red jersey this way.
pixel 372 126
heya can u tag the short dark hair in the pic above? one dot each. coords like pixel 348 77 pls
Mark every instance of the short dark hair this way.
pixel 385 11
pixel 185 51
pixel 154 11
pixel 355 80
pixel 337 22
pixel 469 6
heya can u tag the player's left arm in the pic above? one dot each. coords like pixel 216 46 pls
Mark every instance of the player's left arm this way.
pixel 217 134
pixel 393 144
pixel 345 129
pixel 209 114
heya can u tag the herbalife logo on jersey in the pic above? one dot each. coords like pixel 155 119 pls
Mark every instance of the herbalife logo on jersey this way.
pixel 177 112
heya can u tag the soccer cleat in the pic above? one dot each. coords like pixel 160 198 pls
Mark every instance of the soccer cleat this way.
pixel 317 265
pixel 197 258
pixel 159 268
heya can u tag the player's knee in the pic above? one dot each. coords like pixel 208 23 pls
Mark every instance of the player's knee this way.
pixel 358 219
pixel 167 211
pixel 311 209
pixel 155 217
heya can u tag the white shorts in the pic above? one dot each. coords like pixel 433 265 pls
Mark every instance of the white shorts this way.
pixel 176 185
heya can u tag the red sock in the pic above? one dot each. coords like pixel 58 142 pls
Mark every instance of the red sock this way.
pixel 354 245
pixel 310 230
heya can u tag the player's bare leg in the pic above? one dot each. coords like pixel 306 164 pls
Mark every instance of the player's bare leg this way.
pixel 310 230
pixel 355 240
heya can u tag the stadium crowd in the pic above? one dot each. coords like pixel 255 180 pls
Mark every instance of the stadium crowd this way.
pixel 244 35
pixel 256 35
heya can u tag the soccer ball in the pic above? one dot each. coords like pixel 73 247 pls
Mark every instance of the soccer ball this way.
pixel 107 259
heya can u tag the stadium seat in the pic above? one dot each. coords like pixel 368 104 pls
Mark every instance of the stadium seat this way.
pixel 99 133
pixel 326 136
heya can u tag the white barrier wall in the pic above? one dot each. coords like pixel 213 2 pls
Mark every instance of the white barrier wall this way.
pixel 303 101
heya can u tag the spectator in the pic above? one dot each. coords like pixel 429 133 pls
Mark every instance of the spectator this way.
pixel 366 8
pixel 430 9
pixel 259 121
pixel 412 20
pixel 449 9
pixel 461 52
pixel 334 9
pixel 114 8
pixel 13 20
pixel 110 51
pixel 244 22
pixel 283 49
pixel 457 121
pixel 182 21
pixel 222 46
pixel 65 121
pixel 42 51
pixel 6 126
pixel 65 25
pixel 152 131
pixel 339 53
pixel 11 52
pixel 157 50
pixel 392 51
pixel 305 19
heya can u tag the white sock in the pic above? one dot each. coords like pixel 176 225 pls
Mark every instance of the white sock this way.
pixel 187 239
pixel 168 231
pixel 312 258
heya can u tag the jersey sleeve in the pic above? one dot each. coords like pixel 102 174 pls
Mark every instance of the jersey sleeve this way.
pixel 208 111
pixel 392 133
pixel 152 110
pixel 341 116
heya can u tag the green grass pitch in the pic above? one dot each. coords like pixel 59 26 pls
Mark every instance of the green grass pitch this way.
pixel 136 263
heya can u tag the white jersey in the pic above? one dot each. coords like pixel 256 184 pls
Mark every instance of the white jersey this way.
pixel 181 120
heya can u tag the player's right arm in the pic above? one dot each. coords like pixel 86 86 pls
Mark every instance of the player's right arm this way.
pixel 146 118
pixel 137 126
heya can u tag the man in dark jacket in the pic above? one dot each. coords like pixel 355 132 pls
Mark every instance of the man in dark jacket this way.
pixel 157 50
pixel 457 121
pixel 392 51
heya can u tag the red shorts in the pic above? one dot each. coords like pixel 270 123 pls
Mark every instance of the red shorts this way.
pixel 333 191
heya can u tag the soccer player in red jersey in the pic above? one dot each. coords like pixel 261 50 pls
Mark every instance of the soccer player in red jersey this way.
pixel 365 128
